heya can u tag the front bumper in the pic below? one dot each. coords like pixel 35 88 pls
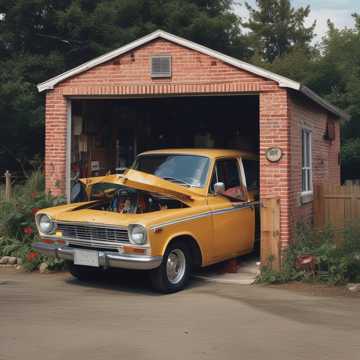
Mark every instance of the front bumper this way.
pixel 107 259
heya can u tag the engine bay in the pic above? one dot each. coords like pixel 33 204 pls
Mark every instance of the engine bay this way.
pixel 126 200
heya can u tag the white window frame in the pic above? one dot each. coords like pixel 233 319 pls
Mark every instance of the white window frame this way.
pixel 306 168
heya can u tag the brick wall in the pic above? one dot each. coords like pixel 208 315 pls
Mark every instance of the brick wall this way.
pixel 129 74
pixel 326 168
pixel 55 142
pixel 191 71
pixel 194 73
pixel 274 131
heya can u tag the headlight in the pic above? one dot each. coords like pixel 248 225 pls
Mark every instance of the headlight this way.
pixel 46 225
pixel 137 234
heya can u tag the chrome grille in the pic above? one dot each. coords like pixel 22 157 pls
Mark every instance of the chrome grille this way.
pixel 93 235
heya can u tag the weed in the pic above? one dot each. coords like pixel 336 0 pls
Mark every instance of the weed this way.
pixel 335 262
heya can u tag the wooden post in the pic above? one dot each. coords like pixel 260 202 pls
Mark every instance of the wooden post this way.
pixel 270 233
pixel 7 185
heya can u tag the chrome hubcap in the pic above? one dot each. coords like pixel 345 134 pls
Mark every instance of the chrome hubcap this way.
pixel 175 266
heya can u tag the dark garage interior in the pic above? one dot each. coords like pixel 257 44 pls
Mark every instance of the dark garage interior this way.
pixel 108 133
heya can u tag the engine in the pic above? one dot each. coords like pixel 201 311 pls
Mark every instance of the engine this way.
pixel 131 201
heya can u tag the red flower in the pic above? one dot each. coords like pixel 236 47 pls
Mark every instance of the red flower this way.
pixel 32 255
pixel 28 230
pixel 34 210
pixel 34 194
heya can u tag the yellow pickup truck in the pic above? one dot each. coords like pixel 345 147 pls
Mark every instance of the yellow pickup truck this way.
pixel 173 210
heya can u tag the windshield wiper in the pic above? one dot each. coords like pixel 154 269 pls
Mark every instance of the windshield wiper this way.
pixel 178 181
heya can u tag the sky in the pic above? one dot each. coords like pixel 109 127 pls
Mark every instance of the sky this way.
pixel 338 11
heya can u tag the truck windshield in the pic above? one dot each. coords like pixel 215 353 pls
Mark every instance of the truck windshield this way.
pixel 186 170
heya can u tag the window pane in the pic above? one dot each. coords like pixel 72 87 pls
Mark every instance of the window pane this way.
pixel 303 147
pixel 306 174
pixel 308 177
pixel 304 181
pixel 306 149
pixel 228 173
pixel 213 182
pixel 307 161
pixel 187 169
pixel 251 168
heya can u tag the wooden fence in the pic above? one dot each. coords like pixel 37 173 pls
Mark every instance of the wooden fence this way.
pixel 7 182
pixel 336 205
pixel 8 185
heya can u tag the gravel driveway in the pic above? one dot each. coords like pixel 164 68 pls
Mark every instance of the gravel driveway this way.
pixel 53 316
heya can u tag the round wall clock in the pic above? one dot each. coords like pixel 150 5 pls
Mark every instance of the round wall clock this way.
pixel 273 154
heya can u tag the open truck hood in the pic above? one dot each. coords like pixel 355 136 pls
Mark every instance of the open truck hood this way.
pixel 146 182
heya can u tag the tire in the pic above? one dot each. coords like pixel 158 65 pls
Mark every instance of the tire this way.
pixel 174 272
pixel 84 273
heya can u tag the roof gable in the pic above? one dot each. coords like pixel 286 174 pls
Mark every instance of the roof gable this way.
pixel 280 80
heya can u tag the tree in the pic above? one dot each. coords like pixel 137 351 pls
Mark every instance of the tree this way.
pixel 42 38
pixel 350 155
pixel 337 77
pixel 334 73
pixel 277 28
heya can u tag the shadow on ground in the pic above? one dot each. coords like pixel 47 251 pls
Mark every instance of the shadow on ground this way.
pixel 133 281
pixel 138 282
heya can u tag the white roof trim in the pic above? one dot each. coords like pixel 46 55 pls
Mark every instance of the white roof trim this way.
pixel 325 104
pixel 281 80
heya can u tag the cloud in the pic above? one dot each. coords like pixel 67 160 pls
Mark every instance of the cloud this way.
pixel 328 4
pixel 340 17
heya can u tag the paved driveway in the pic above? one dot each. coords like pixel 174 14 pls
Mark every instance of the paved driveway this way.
pixel 56 317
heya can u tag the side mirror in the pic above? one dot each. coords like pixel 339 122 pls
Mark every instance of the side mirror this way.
pixel 219 188
pixel 120 170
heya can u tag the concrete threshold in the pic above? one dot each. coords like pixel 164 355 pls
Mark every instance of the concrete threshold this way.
pixel 245 275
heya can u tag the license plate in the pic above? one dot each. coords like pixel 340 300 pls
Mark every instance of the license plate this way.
pixel 86 257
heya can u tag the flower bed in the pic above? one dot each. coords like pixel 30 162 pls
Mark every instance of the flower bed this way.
pixel 323 256
pixel 17 223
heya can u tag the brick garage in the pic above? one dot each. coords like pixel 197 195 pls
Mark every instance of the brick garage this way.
pixel 285 112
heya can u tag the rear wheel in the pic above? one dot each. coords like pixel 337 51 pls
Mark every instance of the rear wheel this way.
pixel 84 273
pixel 174 272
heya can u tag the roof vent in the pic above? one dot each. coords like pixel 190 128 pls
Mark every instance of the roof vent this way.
pixel 161 66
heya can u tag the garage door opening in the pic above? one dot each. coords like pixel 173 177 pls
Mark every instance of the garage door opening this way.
pixel 107 134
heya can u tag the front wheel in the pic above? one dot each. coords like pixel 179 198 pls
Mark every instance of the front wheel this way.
pixel 174 272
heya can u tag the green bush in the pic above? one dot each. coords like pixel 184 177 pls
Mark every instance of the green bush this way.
pixel 17 223
pixel 336 262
